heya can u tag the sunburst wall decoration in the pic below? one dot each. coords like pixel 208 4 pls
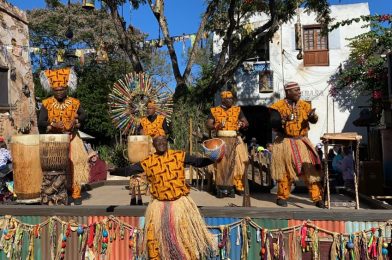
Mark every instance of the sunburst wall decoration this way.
pixel 128 99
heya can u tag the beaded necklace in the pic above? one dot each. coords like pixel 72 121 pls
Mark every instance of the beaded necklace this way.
pixel 63 105
pixel 293 111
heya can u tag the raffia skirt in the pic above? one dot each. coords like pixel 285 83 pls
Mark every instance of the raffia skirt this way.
pixel 295 157
pixel 230 169
pixel 176 230
pixel 79 161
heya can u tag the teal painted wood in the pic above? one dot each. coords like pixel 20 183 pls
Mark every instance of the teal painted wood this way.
pixel 33 220
pixel 254 250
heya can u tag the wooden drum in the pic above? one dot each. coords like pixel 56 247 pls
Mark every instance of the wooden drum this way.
pixel 139 147
pixel 26 166
pixel 54 149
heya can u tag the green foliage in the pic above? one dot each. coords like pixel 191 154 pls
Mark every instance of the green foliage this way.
pixel 94 86
pixel 365 69
pixel 90 28
pixel 113 155
pixel 181 121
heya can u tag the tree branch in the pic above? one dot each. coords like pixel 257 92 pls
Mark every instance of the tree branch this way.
pixel 161 18
pixel 226 39
pixel 212 5
pixel 246 47
pixel 128 47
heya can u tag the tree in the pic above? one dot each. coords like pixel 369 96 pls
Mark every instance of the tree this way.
pixel 48 30
pixel 226 19
pixel 365 71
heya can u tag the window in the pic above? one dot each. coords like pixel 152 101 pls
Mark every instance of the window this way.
pixel 3 86
pixel 315 47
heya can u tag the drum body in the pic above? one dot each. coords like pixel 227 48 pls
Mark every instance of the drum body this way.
pixel 26 166
pixel 139 147
pixel 225 168
pixel 54 150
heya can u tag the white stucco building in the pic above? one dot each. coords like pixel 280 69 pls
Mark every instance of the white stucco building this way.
pixel 322 57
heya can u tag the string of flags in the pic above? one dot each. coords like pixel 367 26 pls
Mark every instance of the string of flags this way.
pixel 96 239
pixel 18 49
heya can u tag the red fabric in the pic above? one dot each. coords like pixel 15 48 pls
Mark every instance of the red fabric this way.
pixel 98 171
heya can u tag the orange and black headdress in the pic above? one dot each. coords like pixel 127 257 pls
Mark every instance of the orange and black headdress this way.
pixel 58 79
pixel 226 94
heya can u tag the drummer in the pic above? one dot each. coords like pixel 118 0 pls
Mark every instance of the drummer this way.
pixel 154 124
pixel 228 119
pixel 61 114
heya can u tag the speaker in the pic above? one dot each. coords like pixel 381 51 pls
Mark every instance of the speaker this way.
pixel 371 179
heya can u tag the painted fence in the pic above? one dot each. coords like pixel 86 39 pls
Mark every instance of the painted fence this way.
pixel 241 244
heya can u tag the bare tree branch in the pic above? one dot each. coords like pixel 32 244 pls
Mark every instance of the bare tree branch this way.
pixel 246 47
pixel 226 39
pixel 210 9
pixel 127 44
pixel 161 18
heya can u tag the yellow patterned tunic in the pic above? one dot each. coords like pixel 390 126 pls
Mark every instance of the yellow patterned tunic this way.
pixel 166 175
pixel 65 111
pixel 228 118
pixel 154 128
pixel 300 125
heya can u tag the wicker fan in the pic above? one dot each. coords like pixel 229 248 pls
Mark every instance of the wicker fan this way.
pixel 128 99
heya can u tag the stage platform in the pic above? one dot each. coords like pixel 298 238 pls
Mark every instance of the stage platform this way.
pixel 112 198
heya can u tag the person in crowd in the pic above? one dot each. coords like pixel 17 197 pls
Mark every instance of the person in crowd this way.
pixel 346 167
pixel 5 158
pixel 98 167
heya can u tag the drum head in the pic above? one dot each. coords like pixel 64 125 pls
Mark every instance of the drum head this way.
pixel 60 138
pixel 25 139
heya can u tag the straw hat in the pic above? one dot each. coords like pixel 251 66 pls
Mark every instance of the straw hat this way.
pixel 91 153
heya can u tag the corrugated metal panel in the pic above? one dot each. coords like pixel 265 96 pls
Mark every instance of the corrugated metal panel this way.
pixel 334 226
pixel 352 227
pixel 254 250
pixel 235 250
pixel 72 250
pixel 119 249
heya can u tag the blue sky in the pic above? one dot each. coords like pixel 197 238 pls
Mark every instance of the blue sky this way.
pixel 184 15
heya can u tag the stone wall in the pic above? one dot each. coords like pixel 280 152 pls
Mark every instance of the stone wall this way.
pixel 19 115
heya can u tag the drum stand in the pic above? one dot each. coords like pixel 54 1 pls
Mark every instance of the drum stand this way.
pixel 54 188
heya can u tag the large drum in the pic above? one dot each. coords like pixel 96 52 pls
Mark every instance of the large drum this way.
pixel 139 147
pixel 226 168
pixel 26 167
pixel 54 149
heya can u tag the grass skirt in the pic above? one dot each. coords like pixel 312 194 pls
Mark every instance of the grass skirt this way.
pixel 79 161
pixel 178 229
pixel 282 162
